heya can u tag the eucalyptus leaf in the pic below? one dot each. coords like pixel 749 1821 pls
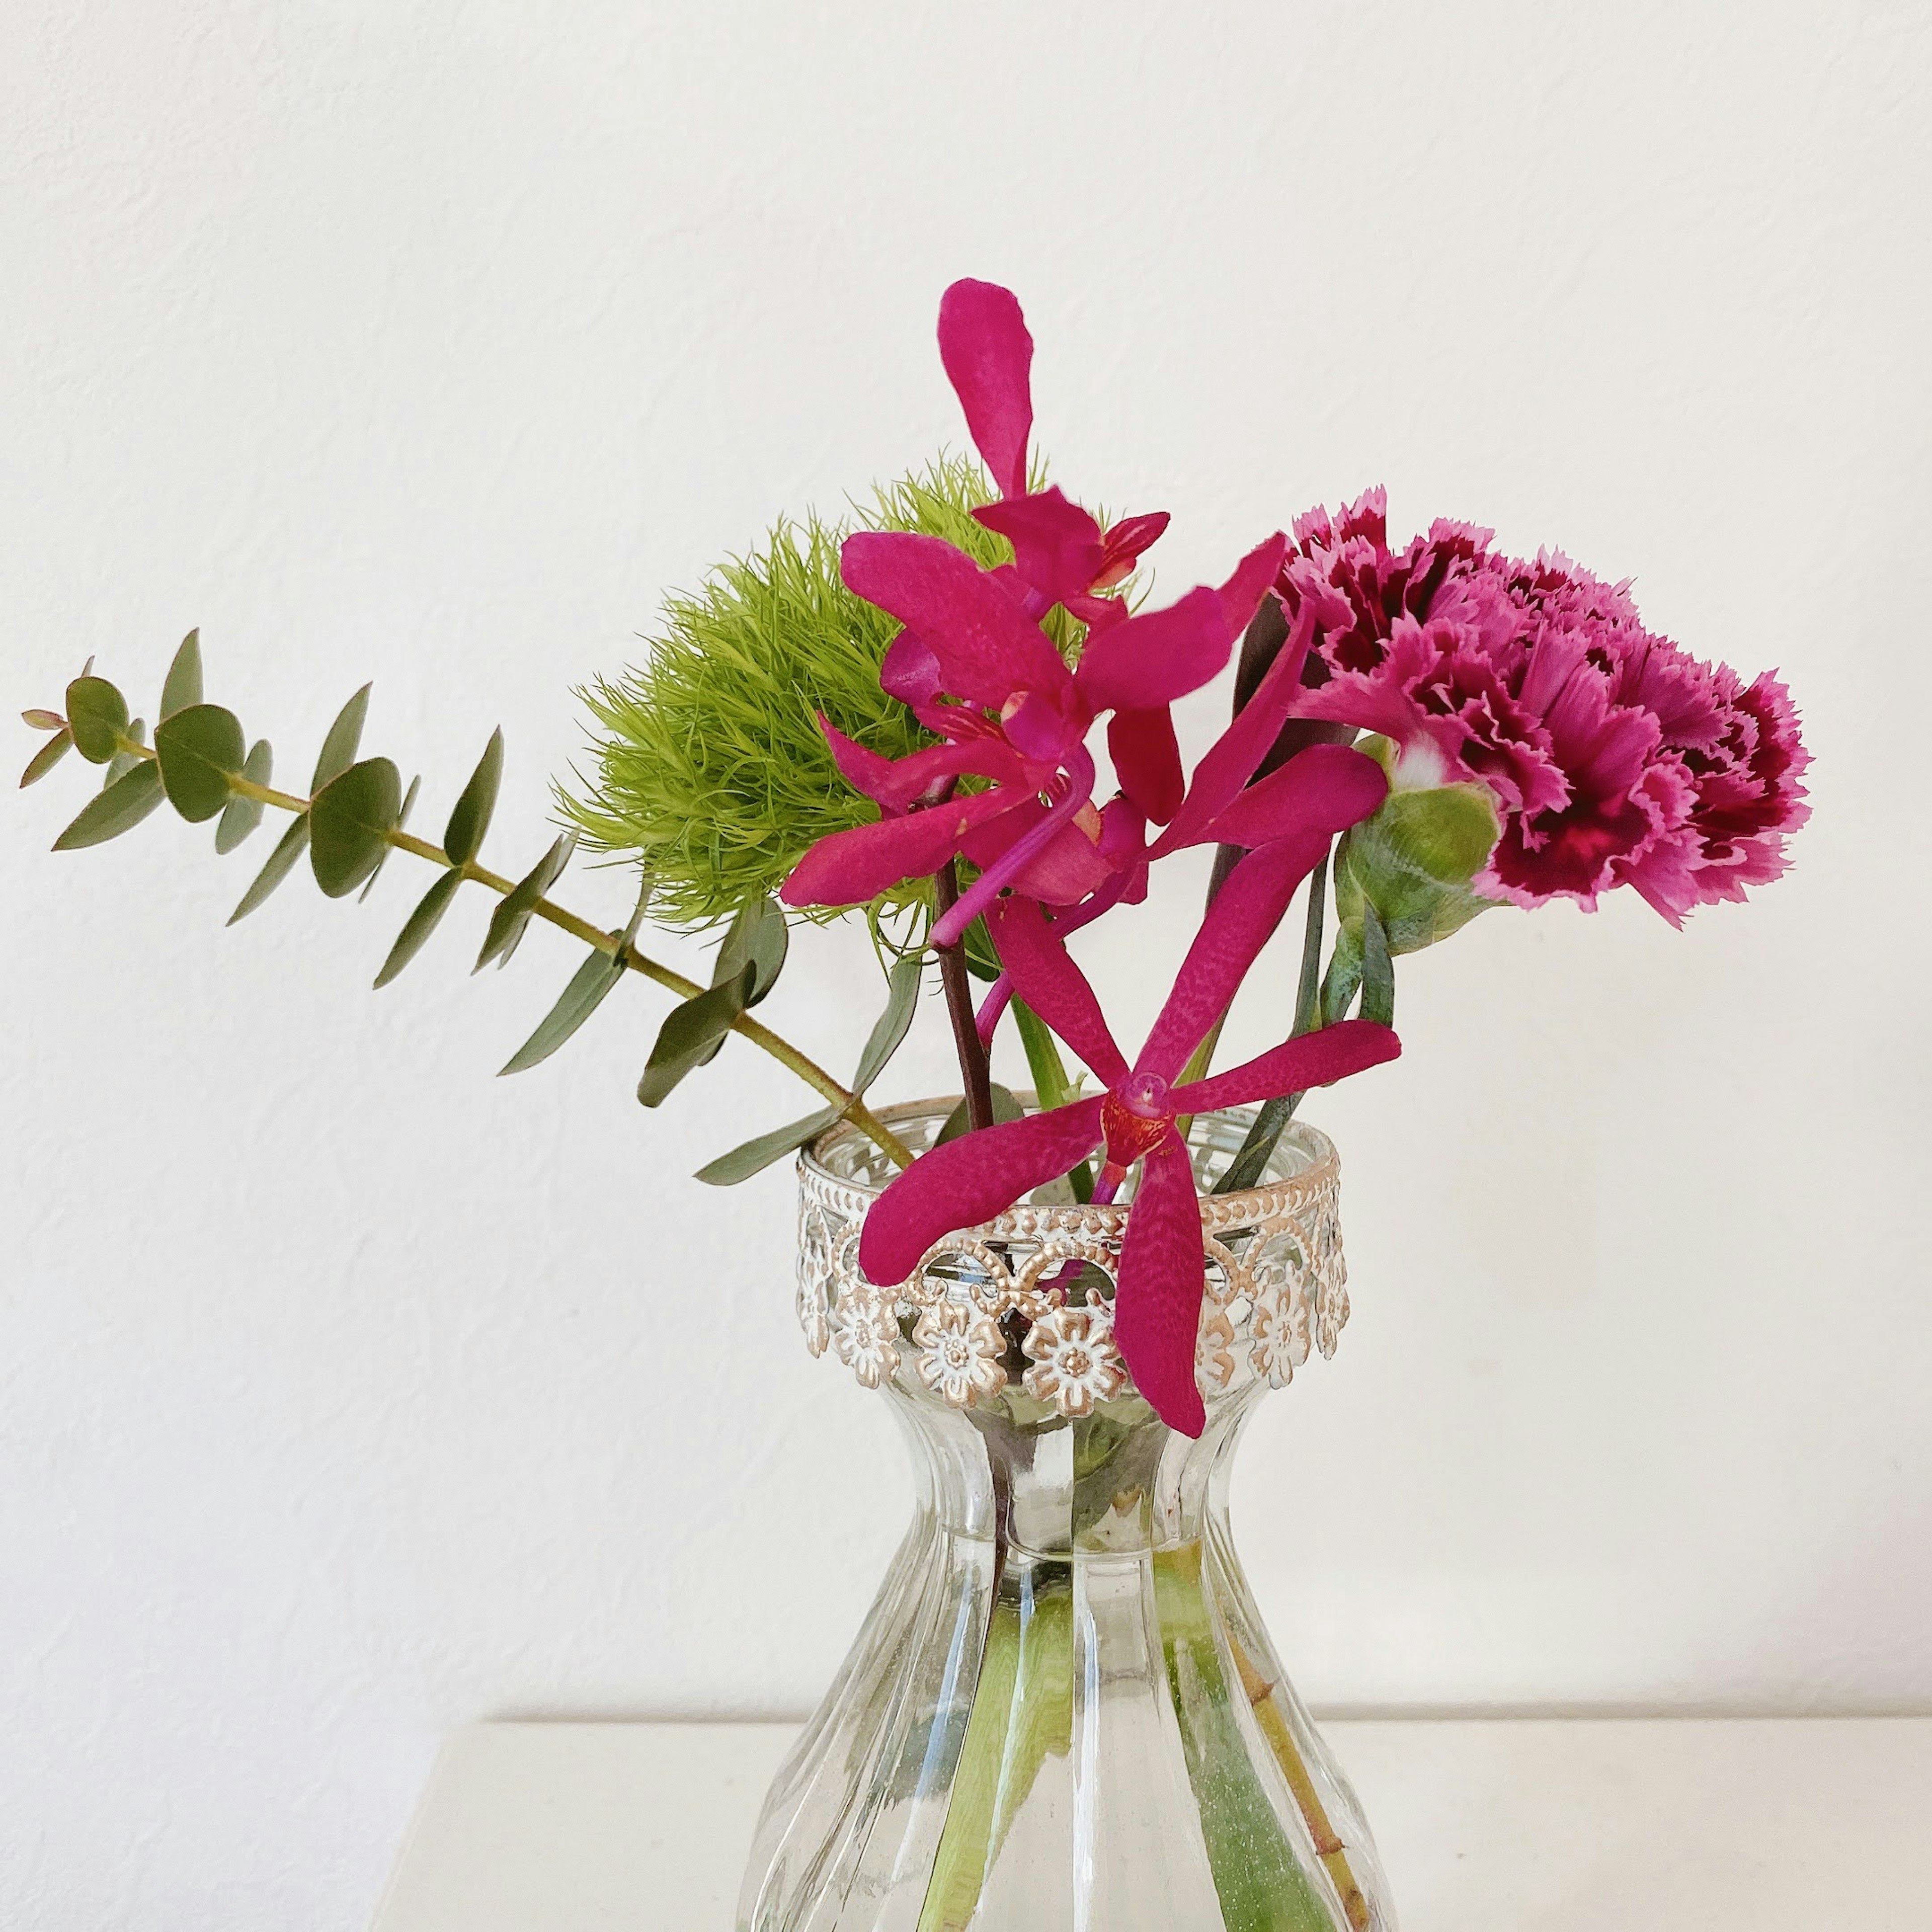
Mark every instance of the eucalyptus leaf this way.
pixel 293 844
pixel 755 1155
pixel 1005 1107
pixel 578 1000
pixel 512 915
pixel 119 809
pixel 891 1026
pixel 757 937
pixel 418 927
pixel 469 819
pixel 402 819
pixel 96 714
pixel 182 689
pixel 691 1034
pixel 136 733
pixel 241 816
pixel 199 749
pixel 43 721
pixel 347 820
pixel 49 755
pixel 345 738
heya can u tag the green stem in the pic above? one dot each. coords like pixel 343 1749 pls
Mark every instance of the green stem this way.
pixel 780 1049
pixel 1049 1081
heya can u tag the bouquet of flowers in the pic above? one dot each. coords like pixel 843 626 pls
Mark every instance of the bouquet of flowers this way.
pixel 902 719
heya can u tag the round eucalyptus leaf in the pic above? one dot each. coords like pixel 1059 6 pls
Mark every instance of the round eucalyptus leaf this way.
pixel 96 714
pixel 199 750
pixel 348 819
pixel 136 733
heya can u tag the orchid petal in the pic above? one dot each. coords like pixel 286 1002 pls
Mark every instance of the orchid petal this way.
pixel 1056 547
pixel 899 783
pixel 909 671
pixel 968 1180
pixel 1235 756
pixel 1238 925
pixel 848 867
pixel 1326 788
pixel 987 353
pixel 1147 760
pixel 1156 656
pixel 986 647
pixel 1126 541
pixel 1157 1301
pixel 1315 1059
pixel 1034 954
pixel 1242 594
pixel 988 886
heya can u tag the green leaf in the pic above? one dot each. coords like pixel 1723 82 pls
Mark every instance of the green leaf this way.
pixel 402 819
pixel 182 690
pixel 339 747
pixel 293 844
pixel 579 1000
pixel 43 721
pixel 982 959
pixel 901 999
pixel 513 910
pixel 136 733
pixel 199 750
pixel 1005 1107
pixel 1377 971
pixel 1344 975
pixel 119 809
pixel 757 937
pixel 241 816
pixel 470 819
pixel 755 1155
pixel 49 755
pixel 347 818
pixel 96 714
pixel 418 927
pixel 691 1034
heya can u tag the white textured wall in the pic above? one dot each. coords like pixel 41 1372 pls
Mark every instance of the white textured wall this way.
pixel 346 1394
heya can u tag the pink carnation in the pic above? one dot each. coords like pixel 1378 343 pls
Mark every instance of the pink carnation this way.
pixel 1614 758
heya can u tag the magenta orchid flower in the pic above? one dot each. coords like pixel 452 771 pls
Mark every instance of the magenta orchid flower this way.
pixel 1019 719
pixel 1157 1298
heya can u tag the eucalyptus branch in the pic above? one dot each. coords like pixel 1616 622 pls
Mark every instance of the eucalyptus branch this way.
pixel 355 815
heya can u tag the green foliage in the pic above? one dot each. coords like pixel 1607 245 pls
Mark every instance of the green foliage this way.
pixel 240 816
pixel 49 755
pixel 289 847
pixel 199 747
pixel 347 819
pixel 97 714
pixel 382 857
pixel 119 809
pixel 589 984
pixel 512 916
pixel 888 1031
pixel 469 818
pixel 692 1033
pixel 126 759
pixel 1007 1107
pixel 709 764
pixel 345 736
pixel 181 687
pixel 420 924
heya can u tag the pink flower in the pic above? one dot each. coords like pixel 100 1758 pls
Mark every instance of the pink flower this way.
pixel 1157 1301
pixel 1018 717
pixel 1614 758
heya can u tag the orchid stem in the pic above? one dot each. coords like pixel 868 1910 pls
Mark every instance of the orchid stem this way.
pixel 974 1071
pixel 850 1105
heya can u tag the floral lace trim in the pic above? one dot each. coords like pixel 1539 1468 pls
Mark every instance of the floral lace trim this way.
pixel 1276 1285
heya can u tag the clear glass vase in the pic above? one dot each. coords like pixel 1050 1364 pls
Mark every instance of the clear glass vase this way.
pixel 1063 1713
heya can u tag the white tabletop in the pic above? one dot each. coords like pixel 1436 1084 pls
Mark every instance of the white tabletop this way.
pixel 1516 1826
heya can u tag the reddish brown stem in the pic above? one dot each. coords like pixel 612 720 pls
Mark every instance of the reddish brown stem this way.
pixel 974 1070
